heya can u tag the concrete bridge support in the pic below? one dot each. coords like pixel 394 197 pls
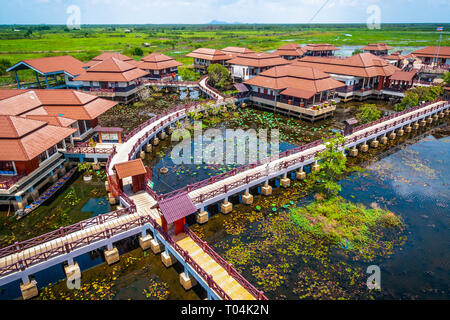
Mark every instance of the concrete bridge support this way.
pixel 447 112
pixel 266 189
pixel 148 147
pixel 392 136
pixel 315 167
pixel 111 255
pixel 163 135
pixel 430 120
pixel 400 132
pixel 247 198
pixel 375 143
pixel 28 288
pixel 423 123
pixel 155 141
pixel 285 182
pixel 202 217
pixel 156 245
pixel 144 241
pixel 226 207
pixel 187 281
pixel 142 154
pixel 73 272
pixel 415 125
pixel 408 128
pixel 353 152
pixel 300 174
pixel 384 140
pixel 364 147
pixel 168 259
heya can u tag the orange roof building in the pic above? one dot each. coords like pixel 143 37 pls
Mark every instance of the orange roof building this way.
pixel 377 49
pixel 290 51
pixel 50 72
pixel 320 49
pixel 296 89
pixel 204 57
pixel 35 126
pixel 236 51
pixel 106 55
pixel 113 78
pixel 437 55
pixel 247 66
pixel 396 59
pixel 159 66
pixel 362 73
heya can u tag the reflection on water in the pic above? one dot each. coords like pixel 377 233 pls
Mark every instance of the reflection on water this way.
pixel 97 206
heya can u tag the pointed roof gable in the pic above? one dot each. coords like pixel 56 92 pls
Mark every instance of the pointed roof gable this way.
pixel 113 70
pixel 17 127
pixel 157 61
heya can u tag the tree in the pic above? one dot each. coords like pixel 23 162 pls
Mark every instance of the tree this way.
pixel 415 96
pixel 357 51
pixel 219 76
pixel 4 65
pixel 368 113
pixel 446 77
pixel 333 164
pixel 138 52
pixel 188 74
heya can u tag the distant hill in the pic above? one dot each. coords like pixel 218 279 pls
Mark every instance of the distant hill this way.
pixel 222 22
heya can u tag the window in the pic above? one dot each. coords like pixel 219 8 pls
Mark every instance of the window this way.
pixel 42 157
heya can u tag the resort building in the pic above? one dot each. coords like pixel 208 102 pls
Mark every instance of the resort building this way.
pixel 434 55
pixel 291 51
pixel 36 128
pixel 159 66
pixel 396 59
pixel 320 50
pixel 377 49
pixel 300 91
pixel 114 79
pixel 204 57
pixel 364 74
pixel 49 72
pixel 236 51
pixel 245 67
pixel 106 55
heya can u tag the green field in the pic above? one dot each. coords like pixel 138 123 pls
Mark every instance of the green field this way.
pixel 25 42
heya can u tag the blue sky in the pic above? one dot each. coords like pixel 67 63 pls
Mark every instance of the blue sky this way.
pixel 203 11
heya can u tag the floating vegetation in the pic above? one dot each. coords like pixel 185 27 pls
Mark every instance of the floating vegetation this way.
pixel 156 290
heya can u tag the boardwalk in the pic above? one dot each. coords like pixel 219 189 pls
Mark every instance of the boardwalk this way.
pixel 224 282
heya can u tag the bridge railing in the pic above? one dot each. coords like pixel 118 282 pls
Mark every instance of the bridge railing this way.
pixel 259 295
pixel 89 150
pixel 63 231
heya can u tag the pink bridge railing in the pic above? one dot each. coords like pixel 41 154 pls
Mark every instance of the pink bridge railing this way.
pixel 170 82
pixel 90 150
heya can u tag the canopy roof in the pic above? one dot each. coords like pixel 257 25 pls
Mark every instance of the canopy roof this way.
pixel 51 65
pixel 320 47
pixel 176 208
pixel 129 168
pixel 106 55
pixel 403 76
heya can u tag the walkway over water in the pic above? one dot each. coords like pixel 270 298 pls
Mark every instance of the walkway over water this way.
pixel 201 263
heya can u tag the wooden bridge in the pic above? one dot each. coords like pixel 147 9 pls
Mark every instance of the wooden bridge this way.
pixel 201 264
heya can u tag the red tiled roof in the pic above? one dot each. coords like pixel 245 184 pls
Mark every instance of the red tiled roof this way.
pixel 234 51
pixel 403 76
pixel 298 93
pixel 157 61
pixel 296 77
pixel 320 47
pixel 430 52
pixel 176 208
pixel 112 70
pixel 106 55
pixel 70 103
pixel 376 47
pixel 53 120
pixel 209 54
pixel 394 56
pixel 360 65
pixel 130 168
pixel 290 49
pixel 259 60
pixel 23 139
pixel 53 64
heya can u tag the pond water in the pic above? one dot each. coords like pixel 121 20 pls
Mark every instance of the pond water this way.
pixel 97 206
pixel 181 175
pixel 412 182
